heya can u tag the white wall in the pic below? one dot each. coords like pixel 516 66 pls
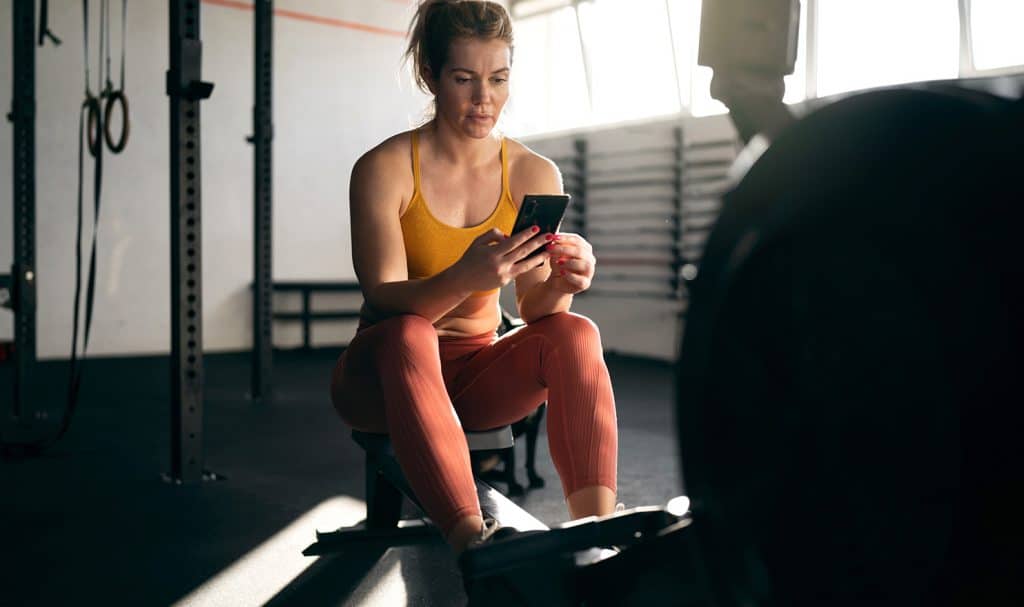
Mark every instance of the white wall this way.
pixel 337 92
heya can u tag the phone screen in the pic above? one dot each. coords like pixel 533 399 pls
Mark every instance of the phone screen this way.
pixel 542 210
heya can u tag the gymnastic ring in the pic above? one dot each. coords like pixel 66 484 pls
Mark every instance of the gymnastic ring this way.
pixel 116 97
pixel 92 106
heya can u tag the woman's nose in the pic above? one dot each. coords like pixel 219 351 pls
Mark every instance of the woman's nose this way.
pixel 481 93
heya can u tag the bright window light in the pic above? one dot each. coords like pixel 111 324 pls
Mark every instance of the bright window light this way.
pixel 796 83
pixel 996 39
pixel 630 53
pixel 867 43
pixel 549 86
pixel 696 79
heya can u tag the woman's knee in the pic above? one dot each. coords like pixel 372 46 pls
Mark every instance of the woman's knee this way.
pixel 406 329
pixel 570 325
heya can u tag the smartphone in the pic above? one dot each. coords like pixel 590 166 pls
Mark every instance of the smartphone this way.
pixel 542 210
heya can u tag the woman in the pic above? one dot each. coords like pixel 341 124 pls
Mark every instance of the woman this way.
pixel 431 251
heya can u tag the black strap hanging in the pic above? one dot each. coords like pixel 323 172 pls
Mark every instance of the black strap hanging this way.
pixel 90 125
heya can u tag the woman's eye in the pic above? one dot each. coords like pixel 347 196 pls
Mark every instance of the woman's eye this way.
pixel 462 80
pixel 499 80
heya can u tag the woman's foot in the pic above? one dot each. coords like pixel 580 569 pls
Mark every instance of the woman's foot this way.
pixel 465 530
pixel 597 500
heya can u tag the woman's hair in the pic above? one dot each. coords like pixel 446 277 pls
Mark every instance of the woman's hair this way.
pixel 439 22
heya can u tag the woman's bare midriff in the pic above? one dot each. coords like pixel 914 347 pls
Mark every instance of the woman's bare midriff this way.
pixel 474 316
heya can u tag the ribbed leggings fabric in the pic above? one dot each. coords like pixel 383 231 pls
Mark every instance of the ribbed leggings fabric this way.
pixel 398 377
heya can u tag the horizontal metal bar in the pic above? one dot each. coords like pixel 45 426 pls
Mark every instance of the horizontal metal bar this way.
pixel 705 145
pixel 629 295
pixel 670 216
pixel 636 261
pixel 306 285
pixel 704 164
pixel 628 151
pixel 634 170
pixel 315 315
pixel 637 248
pixel 605 185
pixel 627 231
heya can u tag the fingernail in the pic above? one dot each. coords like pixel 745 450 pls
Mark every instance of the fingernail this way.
pixel 535 229
pixel 561 272
pixel 551 247
pixel 561 261
pixel 551 237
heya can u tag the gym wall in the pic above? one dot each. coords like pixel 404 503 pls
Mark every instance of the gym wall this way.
pixel 338 90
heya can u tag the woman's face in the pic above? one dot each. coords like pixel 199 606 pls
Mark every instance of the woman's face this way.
pixel 473 86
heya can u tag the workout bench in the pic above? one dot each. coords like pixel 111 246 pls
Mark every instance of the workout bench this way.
pixel 386 486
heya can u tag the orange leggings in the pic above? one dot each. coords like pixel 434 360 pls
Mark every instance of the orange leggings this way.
pixel 399 377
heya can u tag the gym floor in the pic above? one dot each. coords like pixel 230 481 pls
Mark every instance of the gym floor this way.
pixel 93 522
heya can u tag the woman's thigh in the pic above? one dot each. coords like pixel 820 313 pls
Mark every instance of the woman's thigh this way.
pixel 355 385
pixel 502 383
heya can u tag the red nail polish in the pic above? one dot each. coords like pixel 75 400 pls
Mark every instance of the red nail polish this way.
pixel 535 229
pixel 561 261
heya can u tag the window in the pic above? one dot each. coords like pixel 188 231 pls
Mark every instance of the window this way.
pixel 695 80
pixel 871 43
pixel 996 39
pixel 630 53
pixel 639 57
pixel 796 83
pixel 549 88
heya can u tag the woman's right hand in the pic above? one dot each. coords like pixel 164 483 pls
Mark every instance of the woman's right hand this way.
pixel 493 259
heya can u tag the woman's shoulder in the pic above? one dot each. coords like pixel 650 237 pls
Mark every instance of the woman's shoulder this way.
pixel 530 170
pixel 390 155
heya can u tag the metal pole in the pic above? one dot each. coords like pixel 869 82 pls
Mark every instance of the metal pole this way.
pixel 262 139
pixel 22 282
pixel 185 90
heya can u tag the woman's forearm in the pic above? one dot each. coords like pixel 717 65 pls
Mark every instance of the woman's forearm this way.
pixel 542 300
pixel 430 298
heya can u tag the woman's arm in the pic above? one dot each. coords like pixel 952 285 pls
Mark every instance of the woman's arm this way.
pixel 537 294
pixel 378 249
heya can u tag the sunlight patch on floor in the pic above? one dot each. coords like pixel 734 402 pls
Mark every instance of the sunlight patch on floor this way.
pixel 264 571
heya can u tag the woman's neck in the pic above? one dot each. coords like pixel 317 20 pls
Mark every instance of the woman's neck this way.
pixel 458 148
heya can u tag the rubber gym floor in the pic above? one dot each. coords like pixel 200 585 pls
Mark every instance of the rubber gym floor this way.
pixel 92 522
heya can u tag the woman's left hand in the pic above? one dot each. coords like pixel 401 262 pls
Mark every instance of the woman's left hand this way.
pixel 572 263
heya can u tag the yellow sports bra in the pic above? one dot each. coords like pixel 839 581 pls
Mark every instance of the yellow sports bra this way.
pixel 431 245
